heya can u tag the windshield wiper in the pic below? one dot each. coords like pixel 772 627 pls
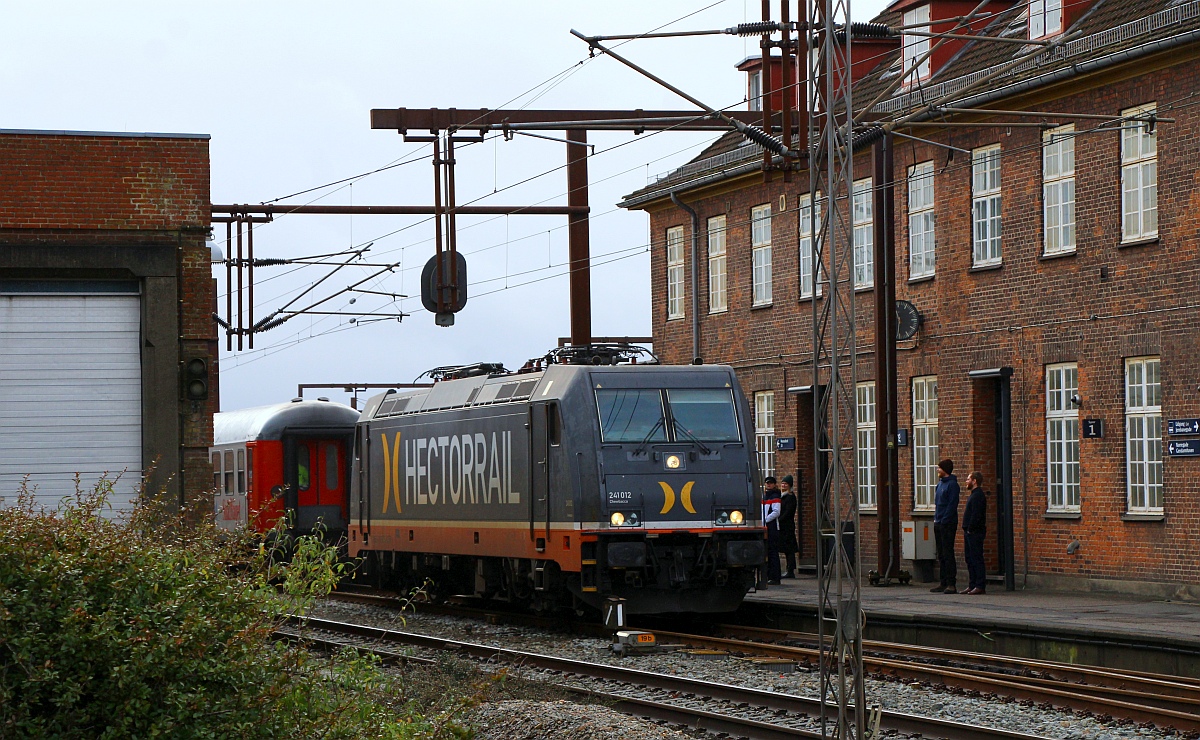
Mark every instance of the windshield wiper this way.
pixel 687 433
pixel 641 448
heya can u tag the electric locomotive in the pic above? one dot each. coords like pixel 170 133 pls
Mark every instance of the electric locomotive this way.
pixel 285 459
pixel 564 486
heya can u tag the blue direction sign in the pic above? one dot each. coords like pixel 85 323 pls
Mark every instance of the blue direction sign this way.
pixel 1184 448
pixel 785 443
pixel 1183 426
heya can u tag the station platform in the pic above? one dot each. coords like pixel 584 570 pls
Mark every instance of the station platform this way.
pixel 1100 629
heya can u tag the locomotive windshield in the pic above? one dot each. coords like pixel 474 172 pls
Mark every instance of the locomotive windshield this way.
pixel 636 415
pixel 629 415
pixel 704 414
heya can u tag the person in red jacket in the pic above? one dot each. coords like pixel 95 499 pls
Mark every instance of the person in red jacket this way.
pixel 770 504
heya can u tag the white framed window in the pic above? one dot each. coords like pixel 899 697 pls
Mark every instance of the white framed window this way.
pixel 810 228
pixel 218 477
pixel 1139 175
pixel 718 294
pixel 1143 435
pixel 916 47
pixel 1058 190
pixel 985 205
pixel 675 272
pixel 764 431
pixel 925 441
pixel 1045 18
pixel 865 473
pixel 760 247
pixel 754 90
pixel 921 256
pixel 864 233
pixel 1062 437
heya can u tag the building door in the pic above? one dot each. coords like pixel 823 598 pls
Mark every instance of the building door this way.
pixel 992 445
pixel 70 388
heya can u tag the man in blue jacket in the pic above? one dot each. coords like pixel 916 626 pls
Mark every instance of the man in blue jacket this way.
pixel 945 526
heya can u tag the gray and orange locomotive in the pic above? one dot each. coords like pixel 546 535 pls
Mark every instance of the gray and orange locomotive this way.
pixel 563 486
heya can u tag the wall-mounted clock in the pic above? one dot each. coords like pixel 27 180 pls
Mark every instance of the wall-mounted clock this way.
pixel 908 320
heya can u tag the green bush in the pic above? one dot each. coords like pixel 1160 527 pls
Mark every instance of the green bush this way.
pixel 149 626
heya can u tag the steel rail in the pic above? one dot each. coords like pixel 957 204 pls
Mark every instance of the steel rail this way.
pixel 1100 700
pixel 734 694
pixel 1166 684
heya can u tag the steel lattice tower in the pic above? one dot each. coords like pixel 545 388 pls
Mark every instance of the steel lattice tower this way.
pixel 831 175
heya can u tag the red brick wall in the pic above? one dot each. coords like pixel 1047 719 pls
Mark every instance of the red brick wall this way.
pixel 99 182
pixel 1095 307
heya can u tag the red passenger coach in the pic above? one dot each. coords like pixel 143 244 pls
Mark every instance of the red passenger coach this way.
pixel 289 457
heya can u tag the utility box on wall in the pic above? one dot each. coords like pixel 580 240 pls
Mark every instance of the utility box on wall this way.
pixel 916 540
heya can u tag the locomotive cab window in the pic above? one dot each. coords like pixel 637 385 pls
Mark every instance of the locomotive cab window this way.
pixel 705 414
pixel 631 415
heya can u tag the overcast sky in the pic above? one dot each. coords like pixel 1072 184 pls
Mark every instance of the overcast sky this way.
pixel 285 91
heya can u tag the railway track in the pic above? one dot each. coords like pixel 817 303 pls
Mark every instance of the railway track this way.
pixel 1165 701
pixel 720 708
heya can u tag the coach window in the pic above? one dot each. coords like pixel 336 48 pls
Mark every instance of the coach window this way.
pixel 331 467
pixel 229 471
pixel 241 471
pixel 302 467
pixel 216 463
pixel 249 468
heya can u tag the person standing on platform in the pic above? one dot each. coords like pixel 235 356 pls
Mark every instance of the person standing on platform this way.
pixel 945 526
pixel 974 528
pixel 787 525
pixel 771 506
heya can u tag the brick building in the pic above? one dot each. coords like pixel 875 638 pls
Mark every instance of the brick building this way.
pixel 106 299
pixel 1053 260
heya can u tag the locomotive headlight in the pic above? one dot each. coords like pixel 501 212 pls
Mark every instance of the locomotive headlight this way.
pixel 617 519
pixel 673 462
pixel 736 517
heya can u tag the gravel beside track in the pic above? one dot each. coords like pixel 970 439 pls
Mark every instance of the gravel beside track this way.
pixel 529 720
pixel 904 697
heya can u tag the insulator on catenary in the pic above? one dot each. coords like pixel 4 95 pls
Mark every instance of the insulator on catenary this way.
pixel 762 138
pixel 270 262
pixel 268 324
pixel 865 137
pixel 753 29
pixel 870 30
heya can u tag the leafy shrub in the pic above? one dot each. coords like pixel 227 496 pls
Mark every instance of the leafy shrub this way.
pixel 149 626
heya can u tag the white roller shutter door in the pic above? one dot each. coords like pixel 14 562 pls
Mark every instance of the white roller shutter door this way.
pixel 70 394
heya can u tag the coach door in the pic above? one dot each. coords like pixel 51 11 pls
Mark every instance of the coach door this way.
pixel 320 484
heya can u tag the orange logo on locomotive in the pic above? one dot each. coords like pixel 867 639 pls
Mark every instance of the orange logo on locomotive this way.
pixel 685 496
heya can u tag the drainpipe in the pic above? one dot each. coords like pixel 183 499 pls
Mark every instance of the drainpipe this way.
pixel 695 277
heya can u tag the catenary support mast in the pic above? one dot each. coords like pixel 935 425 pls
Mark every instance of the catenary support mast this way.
pixel 831 178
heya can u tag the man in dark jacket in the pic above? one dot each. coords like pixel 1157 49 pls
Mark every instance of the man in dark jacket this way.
pixel 945 526
pixel 787 525
pixel 974 528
